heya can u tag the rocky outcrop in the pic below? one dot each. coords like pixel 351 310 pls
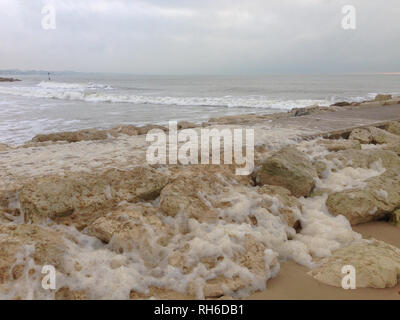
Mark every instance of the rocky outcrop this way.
pixel 288 168
pixel 377 199
pixel 8 79
pixel 383 97
pixel 133 227
pixel 287 206
pixel 373 135
pixel 393 127
pixel 19 243
pixel 194 191
pixel 377 265
pixel 395 218
pixel 74 136
pixel 80 198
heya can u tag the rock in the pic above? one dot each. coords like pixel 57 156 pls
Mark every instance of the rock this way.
pixel 147 128
pixel 129 130
pixel 3 147
pixel 365 158
pixel 289 207
pixel 373 135
pixel 75 136
pixel 288 168
pixel 47 248
pixel 160 293
pixel 186 125
pixel 8 79
pixel 128 228
pixel 299 112
pixel 194 191
pixel 341 104
pixel 377 265
pixel 393 127
pixel 252 258
pixel 383 97
pixel 65 293
pixel 395 218
pixel 338 145
pixel 80 198
pixel 377 199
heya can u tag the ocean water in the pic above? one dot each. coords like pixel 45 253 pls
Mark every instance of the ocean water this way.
pixel 79 101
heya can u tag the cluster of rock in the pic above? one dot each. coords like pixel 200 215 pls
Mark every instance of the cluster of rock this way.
pixel 221 233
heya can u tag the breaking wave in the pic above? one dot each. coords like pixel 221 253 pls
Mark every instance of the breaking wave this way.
pixel 103 93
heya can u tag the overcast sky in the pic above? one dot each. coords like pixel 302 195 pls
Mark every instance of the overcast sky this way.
pixel 201 36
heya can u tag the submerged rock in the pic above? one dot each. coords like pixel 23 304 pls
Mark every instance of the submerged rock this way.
pixel 79 198
pixel 377 265
pixel 288 168
pixel 378 198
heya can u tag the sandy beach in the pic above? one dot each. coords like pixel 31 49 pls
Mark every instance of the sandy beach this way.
pixel 115 227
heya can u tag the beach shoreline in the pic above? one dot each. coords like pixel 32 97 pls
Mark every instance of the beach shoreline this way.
pixel 95 174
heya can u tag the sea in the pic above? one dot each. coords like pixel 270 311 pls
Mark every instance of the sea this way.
pixel 74 101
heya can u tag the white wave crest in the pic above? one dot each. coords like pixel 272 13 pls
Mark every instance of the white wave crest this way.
pixel 79 92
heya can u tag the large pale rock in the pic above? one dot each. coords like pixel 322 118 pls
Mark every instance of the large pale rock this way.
pixel 80 198
pixel 338 145
pixel 65 293
pixel 378 198
pixel 373 135
pixel 133 227
pixel 279 200
pixel 47 248
pixel 377 265
pixel 195 191
pixel 288 168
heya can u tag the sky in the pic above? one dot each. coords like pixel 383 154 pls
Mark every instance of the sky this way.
pixel 201 36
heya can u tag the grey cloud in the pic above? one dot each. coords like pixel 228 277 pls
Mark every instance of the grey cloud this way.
pixel 219 36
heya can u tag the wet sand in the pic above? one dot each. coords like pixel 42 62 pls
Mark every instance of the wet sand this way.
pixel 293 282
